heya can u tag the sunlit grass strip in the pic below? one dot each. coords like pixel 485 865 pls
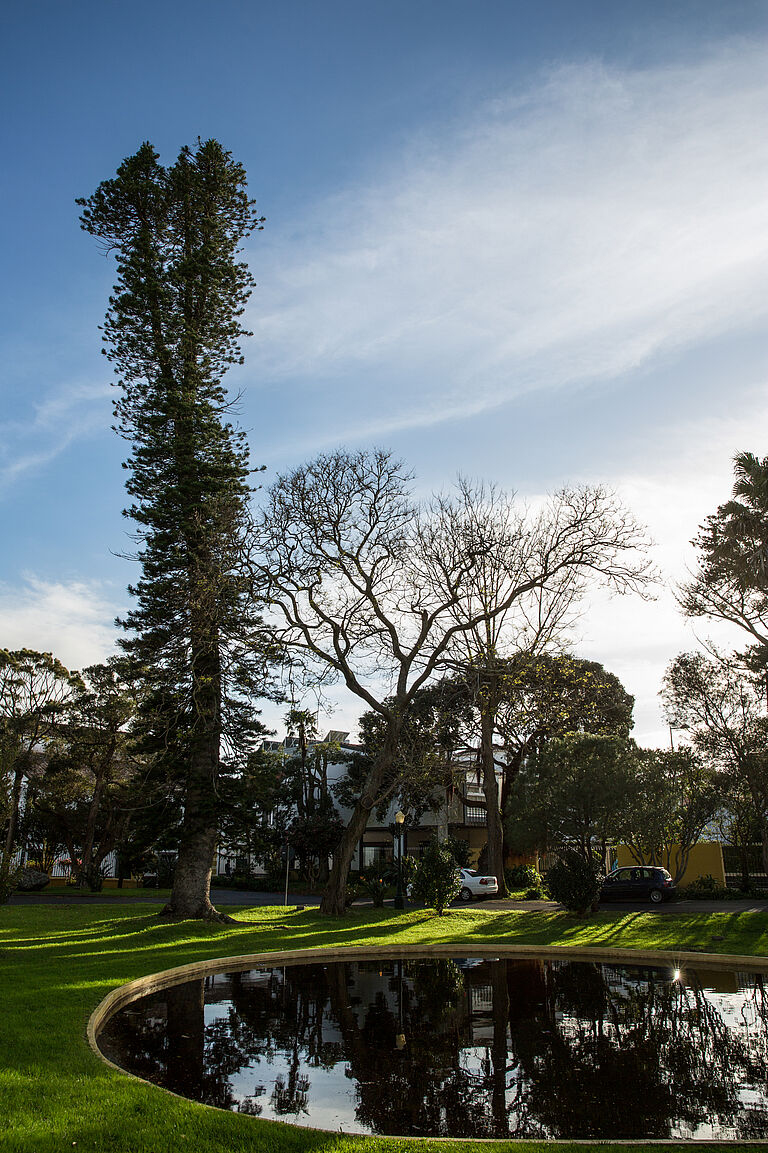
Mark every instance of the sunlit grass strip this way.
pixel 58 962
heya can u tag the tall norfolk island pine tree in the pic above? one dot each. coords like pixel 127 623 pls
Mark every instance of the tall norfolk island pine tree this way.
pixel 172 330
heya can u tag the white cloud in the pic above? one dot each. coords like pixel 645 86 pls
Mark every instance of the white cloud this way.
pixel 72 620
pixel 565 235
pixel 65 415
pixel 688 473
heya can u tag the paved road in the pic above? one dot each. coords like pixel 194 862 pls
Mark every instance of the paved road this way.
pixel 221 897
pixel 144 896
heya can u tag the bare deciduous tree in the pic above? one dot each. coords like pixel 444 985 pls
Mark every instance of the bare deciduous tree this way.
pixel 378 588
pixel 577 536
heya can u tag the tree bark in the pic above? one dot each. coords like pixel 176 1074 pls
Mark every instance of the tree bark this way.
pixel 333 900
pixel 86 876
pixel 190 895
pixel 13 818
pixel 491 792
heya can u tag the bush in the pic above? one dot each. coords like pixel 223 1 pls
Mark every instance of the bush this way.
pixel 351 893
pixel 522 877
pixel 691 893
pixel 535 893
pixel 374 882
pixel 460 851
pixel 705 884
pixel 436 881
pixel 706 888
pixel 575 882
pixel 410 868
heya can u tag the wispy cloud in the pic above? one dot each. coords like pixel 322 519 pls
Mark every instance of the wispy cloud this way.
pixel 73 620
pixel 68 413
pixel 570 233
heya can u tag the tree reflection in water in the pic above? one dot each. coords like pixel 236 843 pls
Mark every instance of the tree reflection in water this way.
pixel 451 1048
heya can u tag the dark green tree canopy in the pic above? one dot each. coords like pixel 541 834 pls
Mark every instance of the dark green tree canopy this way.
pixel 575 795
pixel 172 329
pixel 732 579
pixel 548 695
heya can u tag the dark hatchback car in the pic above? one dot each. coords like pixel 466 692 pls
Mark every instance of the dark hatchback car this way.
pixel 637 883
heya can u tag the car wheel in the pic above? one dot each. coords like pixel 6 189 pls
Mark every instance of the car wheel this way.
pixel 465 894
pixel 656 896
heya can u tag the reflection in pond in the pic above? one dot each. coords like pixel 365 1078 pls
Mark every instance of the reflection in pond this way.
pixel 523 1048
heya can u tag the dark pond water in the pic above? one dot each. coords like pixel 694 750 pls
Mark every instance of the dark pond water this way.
pixel 465 1048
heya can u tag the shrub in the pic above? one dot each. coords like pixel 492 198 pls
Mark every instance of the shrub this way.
pixel 410 868
pixel 706 888
pixel 522 877
pixel 436 881
pixel 460 851
pixel 374 882
pixel 534 893
pixel 575 882
pixel 704 885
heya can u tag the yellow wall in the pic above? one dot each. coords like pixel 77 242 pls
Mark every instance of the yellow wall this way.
pixel 706 858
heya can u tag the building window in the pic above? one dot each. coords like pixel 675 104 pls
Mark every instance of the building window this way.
pixel 376 855
pixel 474 815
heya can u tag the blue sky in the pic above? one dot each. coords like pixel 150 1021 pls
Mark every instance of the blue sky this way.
pixel 522 241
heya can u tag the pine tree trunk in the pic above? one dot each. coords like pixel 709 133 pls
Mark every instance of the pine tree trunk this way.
pixel 190 895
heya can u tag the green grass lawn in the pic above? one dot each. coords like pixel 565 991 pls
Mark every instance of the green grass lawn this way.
pixel 58 961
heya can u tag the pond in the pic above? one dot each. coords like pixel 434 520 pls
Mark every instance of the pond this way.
pixel 464 1047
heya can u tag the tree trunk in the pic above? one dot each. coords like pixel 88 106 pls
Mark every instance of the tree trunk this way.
pixel 6 860
pixel 491 791
pixel 86 876
pixel 333 900
pixel 190 895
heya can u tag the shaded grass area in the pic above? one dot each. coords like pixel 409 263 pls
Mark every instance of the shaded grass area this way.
pixel 58 962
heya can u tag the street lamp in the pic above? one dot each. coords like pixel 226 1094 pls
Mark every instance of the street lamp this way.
pixel 399 822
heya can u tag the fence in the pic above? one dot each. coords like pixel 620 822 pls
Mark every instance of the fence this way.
pixel 732 863
pixel 62 869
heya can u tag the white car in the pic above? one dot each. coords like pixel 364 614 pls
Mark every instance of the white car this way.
pixel 474 884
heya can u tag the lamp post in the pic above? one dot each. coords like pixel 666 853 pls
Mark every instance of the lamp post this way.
pixel 399 821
